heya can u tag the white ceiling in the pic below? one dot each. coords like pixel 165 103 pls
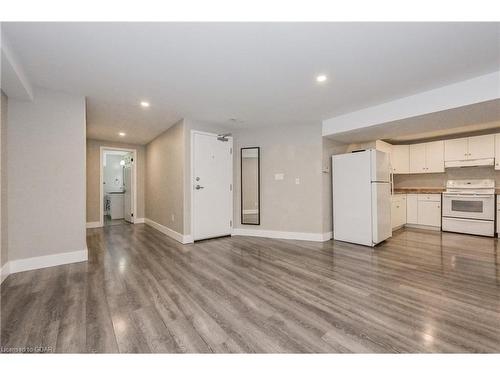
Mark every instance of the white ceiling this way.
pixel 260 73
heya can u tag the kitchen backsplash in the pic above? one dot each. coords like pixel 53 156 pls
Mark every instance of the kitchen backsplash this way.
pixel 437 180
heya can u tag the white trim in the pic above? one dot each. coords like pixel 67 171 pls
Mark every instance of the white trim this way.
pixel 250 212
pixel 191 172
pixel 183 239
pixel 93 224
pixel 52 260
pixel 101 189
pixel 4 272
pixel 317 237
pixel 139 220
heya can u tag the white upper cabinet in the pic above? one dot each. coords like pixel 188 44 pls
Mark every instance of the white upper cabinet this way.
pixel 497 156
pixel 455 149
pixel 434 156
pixel 471 148
pixel 482 147
pixel 417 158
pixel 427 157
pixel 400 159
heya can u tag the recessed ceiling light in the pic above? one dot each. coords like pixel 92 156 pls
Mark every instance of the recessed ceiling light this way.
pixel 122 134
pixel 321 78
pixel 145 104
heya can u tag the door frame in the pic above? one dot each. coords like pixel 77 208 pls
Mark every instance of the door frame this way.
pixel 101 178
pixel 191 174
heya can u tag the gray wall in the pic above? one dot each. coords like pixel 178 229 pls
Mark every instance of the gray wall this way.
pixel 46 172
pixel 93 171
pixel 4 256
pixel 295 151
pixel 165 177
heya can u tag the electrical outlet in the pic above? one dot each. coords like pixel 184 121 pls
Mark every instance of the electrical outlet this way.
pixel 173 217
pixel 279 176
pixel 297 181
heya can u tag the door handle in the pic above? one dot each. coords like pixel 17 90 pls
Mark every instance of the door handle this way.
pixel 198 187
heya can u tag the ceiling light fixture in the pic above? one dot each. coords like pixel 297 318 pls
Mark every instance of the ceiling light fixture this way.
pixel 321 78
pixel 122 134
pixel 144 104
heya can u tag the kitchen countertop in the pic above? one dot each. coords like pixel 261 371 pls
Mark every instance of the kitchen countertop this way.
pixel 419 190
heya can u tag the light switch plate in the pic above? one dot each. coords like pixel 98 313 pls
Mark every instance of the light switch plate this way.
pixel 279 176
pixel 297 181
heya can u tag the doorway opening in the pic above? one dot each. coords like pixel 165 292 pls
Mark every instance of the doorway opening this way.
pixel 118 192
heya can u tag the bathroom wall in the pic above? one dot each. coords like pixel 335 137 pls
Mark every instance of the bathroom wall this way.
pixel 113 173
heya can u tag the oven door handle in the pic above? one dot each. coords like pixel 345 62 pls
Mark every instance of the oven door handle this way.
pixel 469 195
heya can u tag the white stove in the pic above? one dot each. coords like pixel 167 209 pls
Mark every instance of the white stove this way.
pixel 469 207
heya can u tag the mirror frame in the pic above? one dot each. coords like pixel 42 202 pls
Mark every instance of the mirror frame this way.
pixel 241 184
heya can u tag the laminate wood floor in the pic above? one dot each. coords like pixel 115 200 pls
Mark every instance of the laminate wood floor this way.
pixel 140 291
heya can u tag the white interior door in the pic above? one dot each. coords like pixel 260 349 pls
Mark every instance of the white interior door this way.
pixel 129 192
pixel 212 186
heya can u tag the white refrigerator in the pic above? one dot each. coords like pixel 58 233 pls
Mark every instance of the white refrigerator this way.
pixel 361 197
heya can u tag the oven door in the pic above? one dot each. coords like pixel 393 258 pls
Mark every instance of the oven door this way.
pixel 481 207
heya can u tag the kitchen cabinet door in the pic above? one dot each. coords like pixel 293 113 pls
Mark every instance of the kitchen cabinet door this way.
pixel 417 158
pixel 481 147
pixel 412 208
pixel 497 154
pixel 455 149
pixel 429 213
pixel 434 156
pixel 400 158
pixel 394 213
pixel 398 211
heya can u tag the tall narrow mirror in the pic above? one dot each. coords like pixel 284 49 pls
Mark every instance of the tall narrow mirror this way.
pixel 250 185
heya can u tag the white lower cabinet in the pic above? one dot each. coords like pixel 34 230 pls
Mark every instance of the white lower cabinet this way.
pixel 412 209
pixel 423 209
pixel 398 210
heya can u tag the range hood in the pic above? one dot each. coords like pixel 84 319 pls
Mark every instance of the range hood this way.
pixel 470 163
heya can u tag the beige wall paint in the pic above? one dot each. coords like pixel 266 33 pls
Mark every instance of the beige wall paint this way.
pixel 4 256
pixel 93 176
pixel 295 151
pixel 165 177
pixel 46 170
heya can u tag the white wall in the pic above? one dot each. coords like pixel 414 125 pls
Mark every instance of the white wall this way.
pixel 46 169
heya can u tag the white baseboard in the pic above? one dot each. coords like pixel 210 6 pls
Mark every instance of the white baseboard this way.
pixel 93 224
pixel 250 212
pixel 183 239
pixel 318 237
pixel 139 220
pixel 4 272
pixel 27 264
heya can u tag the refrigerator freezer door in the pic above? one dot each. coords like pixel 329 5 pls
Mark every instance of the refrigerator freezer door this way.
pixel 381 211
pixel 352 206
pixel 381 171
